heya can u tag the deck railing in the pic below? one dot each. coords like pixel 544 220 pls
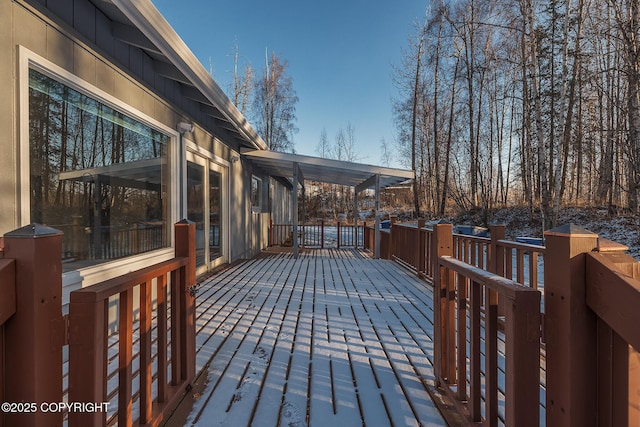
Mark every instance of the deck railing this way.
pixel 385 241
pixel 280 234
pixel 588 321
pixel 319 235
pixel 591 300
pixel 155 311
pixel 89 336
pixel 518 261
pixel 467 295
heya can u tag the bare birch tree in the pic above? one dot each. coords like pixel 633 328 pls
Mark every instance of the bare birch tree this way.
pixel 242 83
pixel 275 106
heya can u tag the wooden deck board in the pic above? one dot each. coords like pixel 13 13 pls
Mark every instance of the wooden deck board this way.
pixel 333 338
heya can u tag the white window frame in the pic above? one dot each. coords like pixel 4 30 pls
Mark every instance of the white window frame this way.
pixel 221 166
pixel 256 208
pixel 94 274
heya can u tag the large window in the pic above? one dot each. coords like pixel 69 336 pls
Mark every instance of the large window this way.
pixel 96 174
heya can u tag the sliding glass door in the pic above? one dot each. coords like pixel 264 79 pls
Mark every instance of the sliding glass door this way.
pixel 206 206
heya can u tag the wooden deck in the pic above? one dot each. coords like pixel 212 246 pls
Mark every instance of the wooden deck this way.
pixel 333 338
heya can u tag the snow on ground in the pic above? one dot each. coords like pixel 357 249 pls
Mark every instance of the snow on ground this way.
pixel 623 229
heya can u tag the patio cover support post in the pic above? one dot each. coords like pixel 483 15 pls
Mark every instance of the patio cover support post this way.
pixel 303 193
pixel 356 216
pixel 297 178
pixel 377 211
pixel 295 211
pixel 373 181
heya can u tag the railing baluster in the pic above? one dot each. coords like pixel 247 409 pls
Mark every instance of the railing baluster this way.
pixel 509 263
pixel 475 347
pixel 491 356
pixel 474 253
pixel 462 283
pixel 125 357
pixel 533 270
pixel 175 328
pixel 520 266
pixel 450 326
pixel 146 373
pixel 162 337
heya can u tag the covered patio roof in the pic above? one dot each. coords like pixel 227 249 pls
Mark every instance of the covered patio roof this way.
pixel 352 174
pixel 299 168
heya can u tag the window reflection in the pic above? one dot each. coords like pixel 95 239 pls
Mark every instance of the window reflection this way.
pixel 256 193
pixel 195 206
pixel 215 214
pixel 200 204
pixel 96 174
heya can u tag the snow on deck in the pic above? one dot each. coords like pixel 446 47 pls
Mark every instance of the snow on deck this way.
pixel 333 338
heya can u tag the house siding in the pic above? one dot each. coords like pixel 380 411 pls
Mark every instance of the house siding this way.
pixel 76 36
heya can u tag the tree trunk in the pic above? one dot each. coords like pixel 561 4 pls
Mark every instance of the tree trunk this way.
pixel 414 119
pixel 447 158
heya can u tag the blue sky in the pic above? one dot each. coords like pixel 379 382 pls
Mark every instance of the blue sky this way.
pixel 341 55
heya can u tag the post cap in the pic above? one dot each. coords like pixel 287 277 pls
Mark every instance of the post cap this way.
pixel 606 245
pixel 185 221
pixel 33 230
pixel 570 230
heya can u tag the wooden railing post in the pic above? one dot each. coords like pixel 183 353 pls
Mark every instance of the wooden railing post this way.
pixel 185 235
pixel 338 234
pixel 421 247
pixel 393 237
pixel 570 330
pixel 522 359
pixel 322 234
pixel 496 259
pixel 35 334
pixel 612 299
pixel 443 305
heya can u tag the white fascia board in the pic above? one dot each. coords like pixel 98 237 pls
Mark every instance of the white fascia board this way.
pixel 154 26
pixel 331 163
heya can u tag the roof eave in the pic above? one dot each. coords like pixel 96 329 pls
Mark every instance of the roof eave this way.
pixel 144 15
